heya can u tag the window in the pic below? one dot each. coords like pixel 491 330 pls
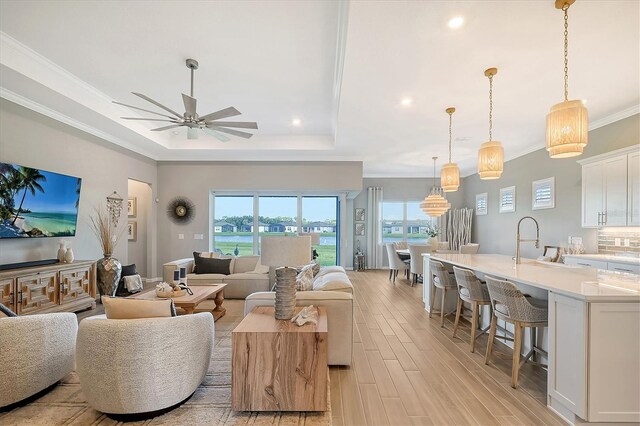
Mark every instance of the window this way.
pixel 404 221
pixel 507 200
pixel 233 225
pixel 240 221
pixel 543 194
pixel 481 204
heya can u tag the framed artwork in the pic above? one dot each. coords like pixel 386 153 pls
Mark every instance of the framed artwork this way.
pixel 543 194
pixel 359 229
pixel 481 204
pixel 359 216
pixel 507 200
pixel 132 231
pixel 132 206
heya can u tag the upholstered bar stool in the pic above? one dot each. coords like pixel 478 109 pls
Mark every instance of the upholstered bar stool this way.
pixel 472 291
pixel 441 280
pixel 510 305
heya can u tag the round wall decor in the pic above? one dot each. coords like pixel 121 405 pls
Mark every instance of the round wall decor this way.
pixel 181 210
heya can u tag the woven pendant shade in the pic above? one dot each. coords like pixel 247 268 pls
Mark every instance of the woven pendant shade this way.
pixel 567 129
pixel 490 160
pixel 435 205
pixel 450 177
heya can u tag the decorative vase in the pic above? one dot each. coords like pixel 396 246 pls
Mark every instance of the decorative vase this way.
pixel 68 255
pixel 285 303
pixel 433 242
pixel 62 251
pixel 109 270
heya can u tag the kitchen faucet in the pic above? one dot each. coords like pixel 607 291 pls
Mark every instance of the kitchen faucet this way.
pixel 518 240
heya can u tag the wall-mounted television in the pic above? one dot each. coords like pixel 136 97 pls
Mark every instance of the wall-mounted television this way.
pixel 36 203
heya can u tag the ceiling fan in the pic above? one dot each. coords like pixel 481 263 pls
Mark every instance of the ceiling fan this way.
pixel 209 123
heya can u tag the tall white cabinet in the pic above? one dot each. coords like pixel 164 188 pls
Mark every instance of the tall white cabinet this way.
pixel 611 189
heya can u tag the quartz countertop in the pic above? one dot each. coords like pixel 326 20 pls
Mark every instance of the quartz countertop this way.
pixel 608 258
pixel 589 284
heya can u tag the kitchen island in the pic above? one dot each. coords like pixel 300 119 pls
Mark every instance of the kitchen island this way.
pixel 593 339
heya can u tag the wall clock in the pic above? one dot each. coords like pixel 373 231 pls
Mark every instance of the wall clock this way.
pixel 181 210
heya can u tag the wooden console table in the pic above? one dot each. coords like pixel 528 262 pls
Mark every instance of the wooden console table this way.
pixel 278 366
pixel 60 287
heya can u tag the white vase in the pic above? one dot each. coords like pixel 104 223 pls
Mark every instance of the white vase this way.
pixel 68 256
pixel 433 242
pixel 61 253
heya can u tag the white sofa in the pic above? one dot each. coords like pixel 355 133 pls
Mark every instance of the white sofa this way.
pixel 247 275
pixel 333 290
pixel 36 351
pixel 134 366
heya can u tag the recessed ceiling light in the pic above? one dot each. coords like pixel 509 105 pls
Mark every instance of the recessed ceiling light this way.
pixel 456 22
pixel 406 102
pixel 296 122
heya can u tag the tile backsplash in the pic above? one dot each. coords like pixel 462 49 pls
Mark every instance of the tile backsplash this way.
pixel 619 240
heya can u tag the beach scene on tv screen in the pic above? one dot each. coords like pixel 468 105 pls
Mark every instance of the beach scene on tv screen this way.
pixel 37 203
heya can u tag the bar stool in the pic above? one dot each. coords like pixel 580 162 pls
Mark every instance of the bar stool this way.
pixel 472 291
pixel 510 305
pixel 442 281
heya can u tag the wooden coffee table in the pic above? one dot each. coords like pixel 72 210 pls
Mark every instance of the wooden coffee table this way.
pixel 189 303
pixel 278 366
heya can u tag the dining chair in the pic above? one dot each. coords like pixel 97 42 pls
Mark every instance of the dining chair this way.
pixel 416 265
pixel 443 245
pixel 395 263
pixel 471 248
pixel 510 305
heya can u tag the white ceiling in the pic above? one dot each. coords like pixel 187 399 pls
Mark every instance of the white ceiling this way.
pixel 341 68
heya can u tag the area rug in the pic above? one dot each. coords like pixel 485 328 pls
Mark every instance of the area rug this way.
pixel 209 405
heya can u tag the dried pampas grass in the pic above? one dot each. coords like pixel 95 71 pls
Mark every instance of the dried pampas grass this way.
pixel 107 234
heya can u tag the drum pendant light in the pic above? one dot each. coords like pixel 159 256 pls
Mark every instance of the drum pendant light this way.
pixel 450 172
pixel 568 121
pixel 491 153
pixel 435 205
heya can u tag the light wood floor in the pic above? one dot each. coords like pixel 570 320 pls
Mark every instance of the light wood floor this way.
pixel 408 371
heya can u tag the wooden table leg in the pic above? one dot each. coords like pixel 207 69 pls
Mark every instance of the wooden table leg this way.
pixel 219 311
pixel 188 311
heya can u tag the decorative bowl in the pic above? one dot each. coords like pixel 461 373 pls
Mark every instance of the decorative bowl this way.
pixel 169 294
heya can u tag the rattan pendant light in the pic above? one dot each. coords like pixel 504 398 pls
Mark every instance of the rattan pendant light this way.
pixel 435 205
pixel 491 153
pixel 568 121
pixel 450 172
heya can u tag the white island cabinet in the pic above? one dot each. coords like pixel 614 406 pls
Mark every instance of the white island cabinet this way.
pixel 593 338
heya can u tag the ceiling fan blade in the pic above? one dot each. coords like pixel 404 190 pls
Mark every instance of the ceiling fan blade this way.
pixel 239 124
pixel 223 113
pixel 158 104
pixel 192 133
pixel 149 119
pixel 141 109
pixel 232 132
pixel 217 135
pixel 189 105
pixel 159 129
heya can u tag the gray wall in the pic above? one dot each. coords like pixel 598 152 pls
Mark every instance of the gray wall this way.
pixel 139 248
pixel 496 231
pixel 196 181
pixel 30 139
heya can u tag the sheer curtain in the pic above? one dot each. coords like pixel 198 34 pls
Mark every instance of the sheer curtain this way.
pixel 374 249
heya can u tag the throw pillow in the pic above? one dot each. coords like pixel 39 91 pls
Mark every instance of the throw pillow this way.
pixel 8 312
pixel 128 270
pixel 214 266
pixel 196 260
pixel 260 269
pixel 316 268
pixel 304 280
pixel 125 308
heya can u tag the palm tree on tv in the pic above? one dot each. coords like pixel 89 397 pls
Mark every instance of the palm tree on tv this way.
pixel 29 182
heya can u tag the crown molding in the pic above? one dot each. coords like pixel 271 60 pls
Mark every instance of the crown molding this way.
pixel 616 116
pixel 55 115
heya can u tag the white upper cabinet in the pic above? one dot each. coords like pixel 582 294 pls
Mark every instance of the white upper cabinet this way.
pixel 611 189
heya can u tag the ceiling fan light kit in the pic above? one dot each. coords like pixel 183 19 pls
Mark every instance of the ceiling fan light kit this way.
pixel 491 153
pixel 435 204
pixel 209 123
pixel 450 172
pixel 568 121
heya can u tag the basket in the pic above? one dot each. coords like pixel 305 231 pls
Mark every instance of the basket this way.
pixel 169 294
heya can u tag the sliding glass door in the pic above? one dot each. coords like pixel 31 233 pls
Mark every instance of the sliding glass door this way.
pixel 320 215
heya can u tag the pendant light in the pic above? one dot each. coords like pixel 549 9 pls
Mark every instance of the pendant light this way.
pixel 491 153
pixel 568 121
pixel 435 205
pixel 450 172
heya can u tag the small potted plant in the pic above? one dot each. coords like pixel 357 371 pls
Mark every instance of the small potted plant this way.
pixel 433 231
